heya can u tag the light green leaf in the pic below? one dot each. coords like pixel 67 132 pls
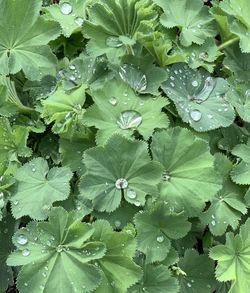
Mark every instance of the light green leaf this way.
pixel 199 273
pixel 156 228
pixel 156 279
pixel 38 187
pixel 23 46
pixel 189 179
pixel 55 255
pixel 240 26
pixel 118 109
pixel 69 14
pixel 191 17
pixel 113 26
pixel 119 272
pixel 65 109
pixel 199 98
pixel 120 168
pixel 233 260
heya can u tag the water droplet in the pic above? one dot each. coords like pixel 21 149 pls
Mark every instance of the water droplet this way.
pixel 131 194
pixel 137 203
pixel 66 8
pixel 22 239
pixel 172 84
pixel 15 202
pixel 113 42
pixel 72 78
pixel 210 116
pixel 189 285
pixel 165 176
pixel 26 252
pixel 113 101
pixel 72 67
pixel 160 239
pixel 213 223
pixel 195 115
pixel 129 119
pixel 121 183
pixel 26 284
pixel 195 83
pixel 79 21
pixel 203 55
pixel 134 77
pixel 117 224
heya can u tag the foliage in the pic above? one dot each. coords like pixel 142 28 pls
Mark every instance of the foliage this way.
pixel 124 146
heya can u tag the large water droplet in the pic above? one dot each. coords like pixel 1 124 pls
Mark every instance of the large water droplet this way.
pixel 22 239
pixel 66 8
pixel 195 115
pixel 134 77
pixel 129 119
pixel 131 194
pixel 195 83
pixel 113 101
pixel 121 183
pixel 26 252
pixel 79 21
pixel 160 239
pixel 113 42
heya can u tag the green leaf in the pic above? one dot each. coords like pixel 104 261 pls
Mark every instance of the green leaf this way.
pixel 192 18
pixel 199 98
pixel 113 26
pixel 199 273
pixel 189 179
pixel 23 46
pixel 156 279
pixel 118 109
pixel 119 272
pixel 120 168
pixel 55 255
pixel 241 23
pixel 70 16
pixel 65 109
pixel 156 228
pixel 38 187
pixel 6 232
pixel 233 260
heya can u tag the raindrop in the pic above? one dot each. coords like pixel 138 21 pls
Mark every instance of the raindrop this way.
pixel 160 239
pixel 172 84
pixel 26 284
pixel 195 115
pixel 189 285
pixel 79 21
pixel 121 183
pixel 195 83
pixel 165 176
pixel 117 224
pixel 22 239
pixel 66 8
pixel 67 116
pixel 137 203
pixel 113 42
pixel 129 119
pixel 113 101
pixel 26 252
pixel 203 55
pixel 210 116
pixel 134 77
pixel 131 194
pixel 72 78
pixel 72 67
pixel 213 223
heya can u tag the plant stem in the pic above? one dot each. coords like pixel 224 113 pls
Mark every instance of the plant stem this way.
pixel 228 43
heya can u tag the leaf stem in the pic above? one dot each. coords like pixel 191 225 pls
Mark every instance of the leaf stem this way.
pixel 228 43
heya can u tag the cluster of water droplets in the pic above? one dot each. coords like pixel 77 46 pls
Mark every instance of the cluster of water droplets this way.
pixel 133 76
pixel 67 9
pixel 122 183
pixel 74 74
pixel 22 239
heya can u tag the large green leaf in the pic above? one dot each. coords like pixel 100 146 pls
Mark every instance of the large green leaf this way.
pixel 189 179
pixel 38 187
pixel 23 46
pixel 191 17
pixel 120 168
pixel 118 109
pixel 199 98
pixel 233 260
pixel 119 272
pixel 55 255
pixel 155 229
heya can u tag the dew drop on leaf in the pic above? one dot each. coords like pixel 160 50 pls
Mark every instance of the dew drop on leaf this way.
pixel 72 78
pixel 213 222
pixel 113 42
pixel 26 252
pixel 195 115
pixel 189 285
pixel 113 101
pixel 195 83
pixel 79 20
pixel 121 183
pixel 160 239
pixel 131 194
pixel 66 8
pixel 22 239
pixel 137 204
pixel 129 119
pixel 134 77
pixel 72 67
